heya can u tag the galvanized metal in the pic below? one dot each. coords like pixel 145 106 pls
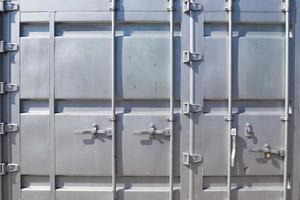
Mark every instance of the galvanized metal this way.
pixel 127 100
pixel 286 99
pixel 229 118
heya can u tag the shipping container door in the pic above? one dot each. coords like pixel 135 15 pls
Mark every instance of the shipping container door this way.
pixel 92 106
pixel 235 103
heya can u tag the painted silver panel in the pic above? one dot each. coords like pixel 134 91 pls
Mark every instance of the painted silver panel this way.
pixel 66 5
pixel 85 63
pixel 244 5
pixel 35 143
pixel 151 154
pixel 82 154
pixel 34 72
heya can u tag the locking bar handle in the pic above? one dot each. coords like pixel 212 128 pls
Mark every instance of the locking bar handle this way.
pixel 268 152
pixel 234 145
pixel 94 131
pixel 153 131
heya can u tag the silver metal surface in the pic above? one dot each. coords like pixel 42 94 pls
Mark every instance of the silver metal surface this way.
pixel 161 99
pixel 113 118
pixel 229 119
pixel 286 99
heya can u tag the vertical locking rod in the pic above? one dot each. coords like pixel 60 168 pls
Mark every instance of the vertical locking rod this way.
pixel 229 114
pixel 113 99
pixel 192 101
pixel 286 106
pixel 171 117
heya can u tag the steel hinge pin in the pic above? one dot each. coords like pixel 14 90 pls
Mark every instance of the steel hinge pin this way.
pixel 8 128
pixel 190 159
pixel 189 6
pixel 8 168
pixel 8 6
pixel 189 57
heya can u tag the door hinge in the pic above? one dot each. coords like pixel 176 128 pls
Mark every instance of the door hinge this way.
pixel 284 7
pixel 189 108
pixel 189 57
pixel 189 6
pixel 8 128
pixel 7 87
pixel 8 6
pixel 6 47
pixel 227 6
pixel 8 168
pixel 189 159
pixel 170 6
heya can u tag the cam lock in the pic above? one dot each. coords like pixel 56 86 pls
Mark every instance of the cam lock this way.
pixel 269 152
pixel 94 131
pixel 153 132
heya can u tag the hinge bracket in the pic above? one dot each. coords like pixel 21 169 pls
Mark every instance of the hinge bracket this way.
pixel 284 7
pixel 189 159
pixel 8 6
pixel 8 168
pixel 189 57
pixel 170 6
pixel 189 6
pixel 189 108
pixel 7 87
pixel 227 7
pixel 8 128
pixel 6 47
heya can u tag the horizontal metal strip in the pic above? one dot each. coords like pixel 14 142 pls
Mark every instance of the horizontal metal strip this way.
pixel 246 17
pixel 100 17
pixel 243 183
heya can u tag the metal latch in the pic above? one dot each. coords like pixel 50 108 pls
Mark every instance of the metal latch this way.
pixel 189 108
pixel 189 159
pixel 94 131
pixel 7 87
pixel 189 6
pixel 6 47
pixel 233 134
pixel 153 132
pixel 170 5
pixel 8 6
pixel 8 168
pixel 227 6
pixel 284 7
pixel 269 152
pixel 8 128
pixel 189 57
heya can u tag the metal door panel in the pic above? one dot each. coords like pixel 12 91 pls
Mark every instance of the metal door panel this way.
pixel 155 193
pixel 34 73
pixel 267 129
pixel 66 5
pixel 35 158
pixel 245 5
pixel 35 195
pixel 248 163
pixel 144 5
pixel 88 194
pixel 144 64
pixel 253 72
pixel 151 154
pixel 245 195
pixel 82 154
pixel 85 63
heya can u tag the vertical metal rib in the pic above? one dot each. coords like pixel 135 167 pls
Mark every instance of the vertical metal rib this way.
pixel 113 98
pixel 229 115
pixel 192 101
pixel 171 117
pixel 52 101
pixel 286 107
